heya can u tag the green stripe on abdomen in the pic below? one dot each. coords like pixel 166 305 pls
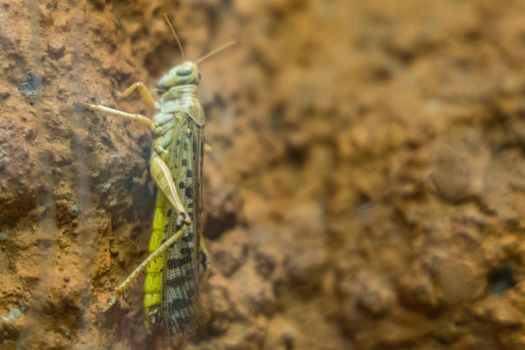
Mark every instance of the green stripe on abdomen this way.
pixel 153 278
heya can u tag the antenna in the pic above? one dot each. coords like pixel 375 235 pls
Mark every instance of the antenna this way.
pixel 217 50
pixel 175 35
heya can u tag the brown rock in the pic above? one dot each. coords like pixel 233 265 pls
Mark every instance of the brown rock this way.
pixel 499 312
pixel 327 121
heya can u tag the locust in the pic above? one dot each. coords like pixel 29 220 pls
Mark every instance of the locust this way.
pixel 178 258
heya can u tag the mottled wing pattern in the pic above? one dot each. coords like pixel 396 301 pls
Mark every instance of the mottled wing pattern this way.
pixel 181 274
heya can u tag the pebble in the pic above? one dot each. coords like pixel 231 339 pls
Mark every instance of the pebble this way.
pixel 452 176
pixel 458 280
pixel 374 294
pixel 56 48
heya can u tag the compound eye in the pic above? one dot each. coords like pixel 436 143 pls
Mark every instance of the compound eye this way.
pixel 183 71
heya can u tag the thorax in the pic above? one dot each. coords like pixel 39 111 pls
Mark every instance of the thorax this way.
pixel 180 100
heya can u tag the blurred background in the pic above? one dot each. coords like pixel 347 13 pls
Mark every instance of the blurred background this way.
pixel 365 189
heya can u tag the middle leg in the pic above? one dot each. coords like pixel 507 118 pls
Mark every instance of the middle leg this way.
pixel 138 117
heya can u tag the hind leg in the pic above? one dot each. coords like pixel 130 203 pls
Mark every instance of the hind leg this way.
pixel 132 277
pixel 204 260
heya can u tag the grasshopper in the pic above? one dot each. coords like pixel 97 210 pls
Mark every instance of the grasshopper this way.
pixel 178 258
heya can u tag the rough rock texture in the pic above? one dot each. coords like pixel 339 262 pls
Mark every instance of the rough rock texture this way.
pixel 366 188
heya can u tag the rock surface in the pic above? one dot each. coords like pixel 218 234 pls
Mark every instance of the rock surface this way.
pixel 366 188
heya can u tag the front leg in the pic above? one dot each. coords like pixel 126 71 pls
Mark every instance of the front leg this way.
pixel 144 92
